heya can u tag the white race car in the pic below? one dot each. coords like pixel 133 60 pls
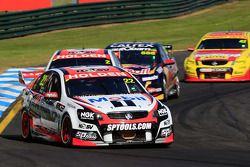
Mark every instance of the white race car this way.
pixel 93 106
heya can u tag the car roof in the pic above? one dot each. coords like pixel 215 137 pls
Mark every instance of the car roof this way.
pixel 81 53
pixel 226 34
pixel 71 73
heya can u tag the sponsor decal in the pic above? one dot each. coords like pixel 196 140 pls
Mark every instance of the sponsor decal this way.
pixel 218 52
pixel 120 98
pixel 140 45
pixel 86 135
pixel 225 34
pixel 45 111
pixel 162 112
pixel 31 74
pixel 216 56
pixel 128 127
pixel 85 126
pixel 71 51
pixel 215 69
pixel 166 132
pixel 60 107
pixel 87 115
pixel 129 116
pixel 153 90
pixel 152 52
pixel 51 95
pixel 142 71
pixel 92 70
pixel 95 75
pixel 166 122
pixel 77 56
pixel 154 77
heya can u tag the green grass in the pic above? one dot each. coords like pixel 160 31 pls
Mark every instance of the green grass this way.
pixel 182 32
pixel 62 2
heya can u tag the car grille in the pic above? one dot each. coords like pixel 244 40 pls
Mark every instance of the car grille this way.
pixel 138 137
pixel 214 62
pixel 122 115
pixel 215 76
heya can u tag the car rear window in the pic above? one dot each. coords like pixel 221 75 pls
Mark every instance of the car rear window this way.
pixel 79 62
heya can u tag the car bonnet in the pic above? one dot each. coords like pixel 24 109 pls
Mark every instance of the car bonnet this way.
pixel 121 102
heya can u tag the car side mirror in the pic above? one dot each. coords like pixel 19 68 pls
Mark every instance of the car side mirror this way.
pixel 21 79
pixel 51 95
pixel 168 47
pixel 169 62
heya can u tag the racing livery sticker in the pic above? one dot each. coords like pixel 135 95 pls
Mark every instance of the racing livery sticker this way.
pixel 95 75
pixel 76 56
pixel 126 127
pixel 86 135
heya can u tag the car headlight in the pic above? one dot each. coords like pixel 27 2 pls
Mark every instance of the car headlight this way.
pixel 239 62
pixel 190 62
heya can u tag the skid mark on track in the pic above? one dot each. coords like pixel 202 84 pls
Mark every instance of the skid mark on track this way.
pixel 219 117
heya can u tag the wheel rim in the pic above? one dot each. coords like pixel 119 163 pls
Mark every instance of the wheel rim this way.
pixel 66 130
pixel 25 125
pixel 177 87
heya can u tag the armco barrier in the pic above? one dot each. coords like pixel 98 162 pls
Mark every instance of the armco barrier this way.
pixel 21 5
pixel 43 20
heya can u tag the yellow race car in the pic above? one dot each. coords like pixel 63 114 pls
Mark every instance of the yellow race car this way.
pixel 219 57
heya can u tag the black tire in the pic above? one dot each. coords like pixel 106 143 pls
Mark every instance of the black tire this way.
pixel 66 131
pixel 25 128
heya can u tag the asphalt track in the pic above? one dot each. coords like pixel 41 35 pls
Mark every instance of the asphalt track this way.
pixel 212 129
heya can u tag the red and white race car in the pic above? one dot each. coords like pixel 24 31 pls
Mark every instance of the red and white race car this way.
pixel 77 57
pixel 93 106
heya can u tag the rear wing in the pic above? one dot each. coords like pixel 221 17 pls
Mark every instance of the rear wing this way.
pixel 22 75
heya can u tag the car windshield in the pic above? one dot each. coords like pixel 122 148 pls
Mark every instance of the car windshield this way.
pixel 102 86
pixel 79 62
pixel 223 44
pixel 139 57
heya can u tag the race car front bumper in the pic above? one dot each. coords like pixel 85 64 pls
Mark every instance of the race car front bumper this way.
pixel 79 142
pixel 165 136
pixel 216 75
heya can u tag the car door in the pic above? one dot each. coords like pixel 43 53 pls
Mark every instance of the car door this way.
pixel 51 108
pixel 36 101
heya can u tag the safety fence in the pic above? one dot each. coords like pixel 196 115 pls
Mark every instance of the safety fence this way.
pixel 43 20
